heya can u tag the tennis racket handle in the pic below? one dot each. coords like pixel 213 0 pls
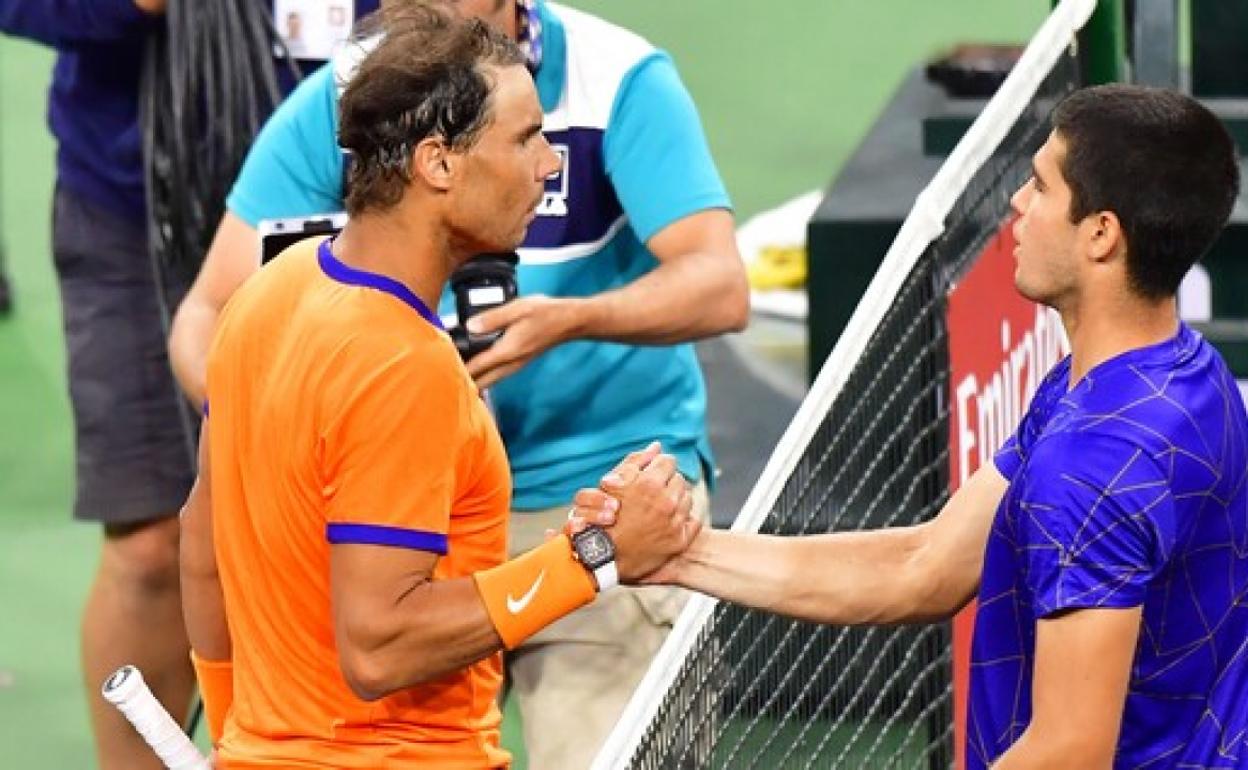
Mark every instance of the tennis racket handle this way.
pixel 126 690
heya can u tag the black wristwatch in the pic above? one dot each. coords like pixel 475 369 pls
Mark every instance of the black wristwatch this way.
pixel 594 549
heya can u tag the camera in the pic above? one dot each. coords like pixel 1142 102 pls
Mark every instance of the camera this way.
pixel 483 282
pixel 278 234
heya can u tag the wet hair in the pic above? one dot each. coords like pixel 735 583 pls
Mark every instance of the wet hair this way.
pixel 1162 163
pixel 427 77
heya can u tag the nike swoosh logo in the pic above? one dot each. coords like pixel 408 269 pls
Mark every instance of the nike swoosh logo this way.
pixel 516 606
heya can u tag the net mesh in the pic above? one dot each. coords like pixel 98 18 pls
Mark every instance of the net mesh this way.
pixel 760 691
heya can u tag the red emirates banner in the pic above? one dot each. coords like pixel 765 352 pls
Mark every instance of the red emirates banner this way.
pixel 1000 348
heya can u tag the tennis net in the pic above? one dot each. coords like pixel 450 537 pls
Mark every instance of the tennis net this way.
pixel 869 447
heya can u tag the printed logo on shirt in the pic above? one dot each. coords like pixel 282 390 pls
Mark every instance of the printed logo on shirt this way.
pixel 555 200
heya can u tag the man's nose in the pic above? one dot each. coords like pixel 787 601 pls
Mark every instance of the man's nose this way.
pixel 1018 199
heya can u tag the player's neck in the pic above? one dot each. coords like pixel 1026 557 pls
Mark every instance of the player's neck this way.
pixel 398 248
pixel 1113 326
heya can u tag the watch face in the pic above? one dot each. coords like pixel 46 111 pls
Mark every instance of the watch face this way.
pixel 594 547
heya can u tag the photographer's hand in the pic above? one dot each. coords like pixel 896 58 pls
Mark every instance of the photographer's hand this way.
pixel 531 325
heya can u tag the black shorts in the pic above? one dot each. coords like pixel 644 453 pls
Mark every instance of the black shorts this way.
pixel 133 463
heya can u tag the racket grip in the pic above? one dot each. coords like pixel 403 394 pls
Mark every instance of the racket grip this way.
pixel 126 690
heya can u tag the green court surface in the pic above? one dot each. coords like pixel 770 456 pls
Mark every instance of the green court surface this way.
pixel 773 744
pixel 785 88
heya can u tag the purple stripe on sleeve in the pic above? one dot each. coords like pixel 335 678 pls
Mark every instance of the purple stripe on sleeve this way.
pixel 377 534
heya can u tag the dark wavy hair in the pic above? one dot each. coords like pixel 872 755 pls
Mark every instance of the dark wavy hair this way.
pixel 1159 160
pixel 426 77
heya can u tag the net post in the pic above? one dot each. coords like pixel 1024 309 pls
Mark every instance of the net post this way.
pixel 1153 30
pixel 867 448
pixel 1103 43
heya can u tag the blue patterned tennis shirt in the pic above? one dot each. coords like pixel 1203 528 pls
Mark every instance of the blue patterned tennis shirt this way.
pixel 1129 489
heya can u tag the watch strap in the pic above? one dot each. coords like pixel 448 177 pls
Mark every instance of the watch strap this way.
pixel 608 576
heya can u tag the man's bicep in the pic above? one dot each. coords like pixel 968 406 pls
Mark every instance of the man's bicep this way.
pixel 232 258
pixel 954 541
pixel 366 577
pixel 196 513
pixel 389 488
pixel 710 232
pixel 1082 672
pixel 366 583
pixel 656 153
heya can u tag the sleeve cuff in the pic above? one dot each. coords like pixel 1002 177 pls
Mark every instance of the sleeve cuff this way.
pixel 123 12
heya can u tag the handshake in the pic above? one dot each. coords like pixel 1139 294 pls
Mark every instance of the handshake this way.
pixel 646 508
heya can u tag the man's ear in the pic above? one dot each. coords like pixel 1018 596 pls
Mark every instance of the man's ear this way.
pixel 434 163
pixel 1106 237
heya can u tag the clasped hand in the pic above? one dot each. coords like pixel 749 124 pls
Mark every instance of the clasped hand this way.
pixel 647 506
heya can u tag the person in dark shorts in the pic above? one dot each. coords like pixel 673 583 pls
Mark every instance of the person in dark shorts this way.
pixel 133 468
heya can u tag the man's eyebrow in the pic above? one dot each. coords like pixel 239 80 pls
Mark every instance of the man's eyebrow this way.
pixel 531 130
pixel 1035 173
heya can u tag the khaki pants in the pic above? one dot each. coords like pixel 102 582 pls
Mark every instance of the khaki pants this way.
pixel 574 677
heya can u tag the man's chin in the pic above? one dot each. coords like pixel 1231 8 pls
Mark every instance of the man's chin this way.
pixel 1030 293
pixel 502 245
pixel 518 240
pixel 1021 287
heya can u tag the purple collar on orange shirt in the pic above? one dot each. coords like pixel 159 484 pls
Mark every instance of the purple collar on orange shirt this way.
pixel 343 273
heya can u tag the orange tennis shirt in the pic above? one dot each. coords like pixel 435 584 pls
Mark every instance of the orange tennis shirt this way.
pixel 339 412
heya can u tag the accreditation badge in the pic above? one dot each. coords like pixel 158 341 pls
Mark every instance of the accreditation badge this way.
pixel 312 29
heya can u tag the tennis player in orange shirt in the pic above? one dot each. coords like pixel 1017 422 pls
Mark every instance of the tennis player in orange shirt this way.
pixel 343 572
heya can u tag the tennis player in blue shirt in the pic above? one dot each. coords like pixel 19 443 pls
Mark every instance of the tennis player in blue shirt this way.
pixel 1108 542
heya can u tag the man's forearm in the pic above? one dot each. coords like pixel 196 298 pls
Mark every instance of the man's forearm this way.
pixel 189 339
pixel 204 610
pixel 397 626
pixel 438 627
pixel 684 299
pixel 233 257
pixel 203 604
pixel 846 578
pixel 1032 753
